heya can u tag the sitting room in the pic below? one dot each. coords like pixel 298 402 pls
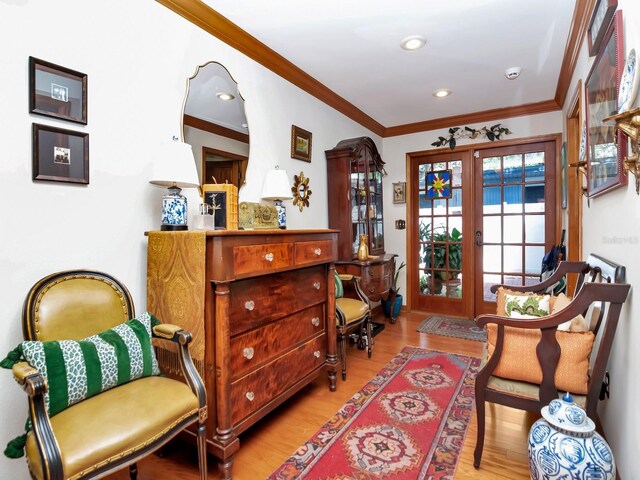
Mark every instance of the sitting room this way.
pixel 361 240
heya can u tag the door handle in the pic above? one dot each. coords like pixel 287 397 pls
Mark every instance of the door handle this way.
pixel 479 241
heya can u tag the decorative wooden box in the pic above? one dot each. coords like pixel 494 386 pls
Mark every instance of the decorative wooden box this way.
pixel 223 200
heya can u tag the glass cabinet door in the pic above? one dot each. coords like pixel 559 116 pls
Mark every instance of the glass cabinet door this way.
pixel 358 201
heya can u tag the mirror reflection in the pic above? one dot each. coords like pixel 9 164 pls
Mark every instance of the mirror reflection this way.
pixel 215 125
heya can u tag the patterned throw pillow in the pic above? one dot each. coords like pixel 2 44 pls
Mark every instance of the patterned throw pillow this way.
pixel 529 306
pixel 339 286
pixel 76 370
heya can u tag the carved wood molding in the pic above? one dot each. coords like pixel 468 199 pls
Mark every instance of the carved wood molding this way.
pixel 467 118
pixel 214 128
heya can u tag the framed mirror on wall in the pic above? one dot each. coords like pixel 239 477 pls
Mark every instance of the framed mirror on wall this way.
pixel 214 123
pixel 606 147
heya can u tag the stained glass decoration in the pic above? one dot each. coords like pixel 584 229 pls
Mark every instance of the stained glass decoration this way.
pixel 439 184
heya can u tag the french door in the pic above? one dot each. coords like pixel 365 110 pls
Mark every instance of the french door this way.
pixel 491 224
pixel 515 221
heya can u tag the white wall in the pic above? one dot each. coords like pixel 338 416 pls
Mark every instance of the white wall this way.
pixel 138 56
pixel 610 229
pixel 395 151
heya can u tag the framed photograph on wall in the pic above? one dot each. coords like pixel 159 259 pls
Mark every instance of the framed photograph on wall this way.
pixel 600 19
pixel 300 144
pixel 56 91
pixel 60 155
pixel 400 192
pixel 606 147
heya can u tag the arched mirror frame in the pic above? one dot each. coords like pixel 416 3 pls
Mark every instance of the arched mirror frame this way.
pixel 220 130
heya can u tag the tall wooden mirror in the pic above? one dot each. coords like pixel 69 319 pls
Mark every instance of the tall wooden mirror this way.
pixel 215 125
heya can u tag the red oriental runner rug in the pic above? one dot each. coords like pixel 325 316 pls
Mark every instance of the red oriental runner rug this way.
pixel 407 423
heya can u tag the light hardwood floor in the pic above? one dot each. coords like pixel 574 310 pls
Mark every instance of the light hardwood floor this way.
pixel 271 441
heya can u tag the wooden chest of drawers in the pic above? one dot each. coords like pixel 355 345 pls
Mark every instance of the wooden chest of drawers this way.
pixel 257 303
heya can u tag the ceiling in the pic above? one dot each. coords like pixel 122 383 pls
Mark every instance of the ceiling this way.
pixel 353 48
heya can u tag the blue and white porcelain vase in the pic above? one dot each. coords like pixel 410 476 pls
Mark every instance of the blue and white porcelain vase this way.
pixel 564 444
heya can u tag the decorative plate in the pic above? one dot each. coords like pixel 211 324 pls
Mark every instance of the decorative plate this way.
pixel 628 83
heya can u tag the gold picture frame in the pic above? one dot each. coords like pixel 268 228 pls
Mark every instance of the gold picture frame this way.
pixel 400 192
pixel 300 144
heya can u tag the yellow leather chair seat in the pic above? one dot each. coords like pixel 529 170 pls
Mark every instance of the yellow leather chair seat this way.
pixel 353 310
pixel 123 419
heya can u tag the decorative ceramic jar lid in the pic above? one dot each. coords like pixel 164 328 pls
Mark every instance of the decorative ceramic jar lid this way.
pixel 567 415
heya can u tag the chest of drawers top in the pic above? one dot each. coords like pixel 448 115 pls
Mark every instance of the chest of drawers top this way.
pixel 240 254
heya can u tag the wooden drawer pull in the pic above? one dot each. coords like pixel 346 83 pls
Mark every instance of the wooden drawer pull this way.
pixel 268 257
pixel 316 354
pixel 249 305
pixel 248 353
pixel 316 285
pixel 318 251
pixel 250 396
pixel 315 321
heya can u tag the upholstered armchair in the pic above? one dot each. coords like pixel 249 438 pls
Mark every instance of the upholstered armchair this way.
pixel 352 314
pixel 540 346
pixel 104 423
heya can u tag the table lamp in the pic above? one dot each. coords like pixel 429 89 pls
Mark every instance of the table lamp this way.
pixel 277 188
pixel 174 167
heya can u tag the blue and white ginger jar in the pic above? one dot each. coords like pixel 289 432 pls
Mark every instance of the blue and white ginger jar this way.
pixel 564 445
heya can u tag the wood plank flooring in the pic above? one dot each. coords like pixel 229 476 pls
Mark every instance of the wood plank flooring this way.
pixel 271 441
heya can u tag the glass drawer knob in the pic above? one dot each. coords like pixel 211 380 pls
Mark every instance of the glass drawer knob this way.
pixel 250 396
pixel 317 251
pixel 249 305
pixel 268 257
pixel 372 290
pixel 315 321
pixel 316 354
pixel 316 285
pixel 248 353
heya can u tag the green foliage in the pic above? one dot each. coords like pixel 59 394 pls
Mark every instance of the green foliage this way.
pixel 493 133
pixel 395 278
pixel 434 249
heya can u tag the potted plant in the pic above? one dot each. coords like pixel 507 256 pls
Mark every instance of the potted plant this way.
pixel 434 257
pixel 394 294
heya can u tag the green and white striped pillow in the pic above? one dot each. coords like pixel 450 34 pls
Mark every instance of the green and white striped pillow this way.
pixel 76 370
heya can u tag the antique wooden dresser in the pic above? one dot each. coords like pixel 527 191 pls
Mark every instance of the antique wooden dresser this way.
pixel 261 309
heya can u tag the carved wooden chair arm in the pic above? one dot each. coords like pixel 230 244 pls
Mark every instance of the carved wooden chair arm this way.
pixel 182 338
pixel 564 267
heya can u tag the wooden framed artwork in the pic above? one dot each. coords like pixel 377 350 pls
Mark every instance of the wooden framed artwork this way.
pixel 438 184
pixel 606 147
pixel 600 19
pixel 222 199
pixel 300 144
pixel 400 192
pixel 60 155
pixel 56 91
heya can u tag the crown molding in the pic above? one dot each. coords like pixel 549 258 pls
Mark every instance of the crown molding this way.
pixel 483 116
pixel 577 32
pixel 212 22
pixel 214 128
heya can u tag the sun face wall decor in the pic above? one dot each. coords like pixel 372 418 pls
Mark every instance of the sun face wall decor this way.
pixel 301 191
pixel 439 184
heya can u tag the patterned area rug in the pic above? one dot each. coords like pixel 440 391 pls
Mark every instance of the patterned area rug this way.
pixel 453 327
pixel 407 423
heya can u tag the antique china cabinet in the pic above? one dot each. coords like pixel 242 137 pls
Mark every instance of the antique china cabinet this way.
pixel 354 172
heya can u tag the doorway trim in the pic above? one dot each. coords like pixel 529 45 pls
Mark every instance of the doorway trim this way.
pixel 410 254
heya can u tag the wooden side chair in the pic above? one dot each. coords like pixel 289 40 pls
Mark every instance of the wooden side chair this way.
pixel 528 366
pixel 352 314
pixel 116 426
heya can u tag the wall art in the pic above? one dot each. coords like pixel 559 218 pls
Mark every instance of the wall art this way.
pixel 60 155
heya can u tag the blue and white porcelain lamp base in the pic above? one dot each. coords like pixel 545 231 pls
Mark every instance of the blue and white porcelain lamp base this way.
pixel 174 211
pixel 282 214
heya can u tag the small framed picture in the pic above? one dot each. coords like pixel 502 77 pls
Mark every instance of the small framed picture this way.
pixel 600 20
pixel 300 144
pixel 60 155
pixel 400 192
pixel 56 91
pixel 439 184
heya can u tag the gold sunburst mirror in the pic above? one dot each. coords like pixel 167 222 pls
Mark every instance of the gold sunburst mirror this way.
pixel 301 191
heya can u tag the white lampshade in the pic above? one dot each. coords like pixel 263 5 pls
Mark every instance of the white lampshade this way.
pixel 174 164
pixel 276 185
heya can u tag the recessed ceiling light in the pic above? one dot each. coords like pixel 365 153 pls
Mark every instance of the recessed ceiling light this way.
pixel 414 42
pixel 225 96
pixel 443 92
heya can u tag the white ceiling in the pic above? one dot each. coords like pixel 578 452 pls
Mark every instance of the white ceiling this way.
pixel 352 47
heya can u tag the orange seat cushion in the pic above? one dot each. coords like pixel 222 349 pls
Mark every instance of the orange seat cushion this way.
pixel 519 360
